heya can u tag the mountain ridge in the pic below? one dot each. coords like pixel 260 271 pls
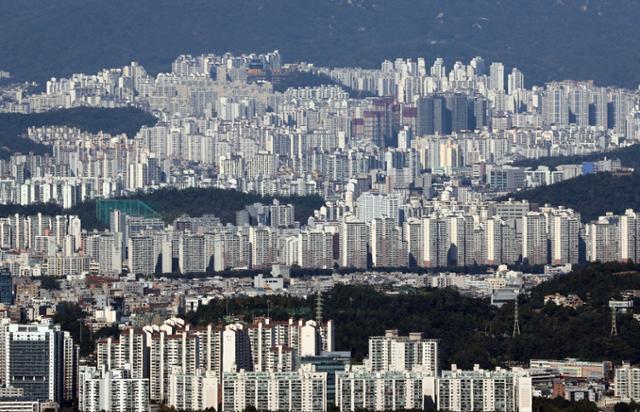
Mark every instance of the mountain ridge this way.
pixel 556 39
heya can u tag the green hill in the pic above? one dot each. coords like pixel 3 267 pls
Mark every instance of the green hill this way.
pixel 471 330
pixel 115 121
pixel 171 203
pixel 629 156
pixel 298 79
pixel 592 195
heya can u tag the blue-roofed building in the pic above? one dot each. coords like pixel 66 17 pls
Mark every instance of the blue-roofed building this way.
pixel 588 167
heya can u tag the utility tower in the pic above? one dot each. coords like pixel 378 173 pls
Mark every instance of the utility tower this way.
pixel 319 307
pixel 516 321
pixel 618 306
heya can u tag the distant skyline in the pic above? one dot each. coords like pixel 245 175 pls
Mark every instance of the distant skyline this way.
pixel 568 40
pixel 319 205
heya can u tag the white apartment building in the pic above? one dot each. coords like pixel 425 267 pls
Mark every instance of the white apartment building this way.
pixel 166 351
pixel 236 348
pixel 374 205
pixel 603 238
pixel 500 241
pixel 20 406
pixel 192 255
pixel 534 238
pixel 304 390
pixel 629 235
pixel 626 383
pixel 386 244
pixel 296 339
pixel 359 388
pixel 564 235
pixel 114 391
pixel 354 239
pixel 436 241
pixel 315 249
pixel 482 390
pixel 128 349
pixel 392 352
pixel 261 246
pixel 142 259
pixel 194 391
pixel 263 345
pixel 282 359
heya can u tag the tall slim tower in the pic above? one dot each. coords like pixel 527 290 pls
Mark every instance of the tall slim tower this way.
pixel 516 322
pixel 496 76
pixel 319 308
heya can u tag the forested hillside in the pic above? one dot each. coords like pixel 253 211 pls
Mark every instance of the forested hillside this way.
pixel 592 195
pixel 114 121
pixel 577 39
pixel 171 203
pixel 471 330
pixel 629 156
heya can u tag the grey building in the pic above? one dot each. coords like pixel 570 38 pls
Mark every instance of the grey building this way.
pixel 36 361
pixel 6 288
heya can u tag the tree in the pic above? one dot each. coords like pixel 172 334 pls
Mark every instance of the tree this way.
pixel 622 407
pixel 70 317
pixel 562 405
pixel 49 283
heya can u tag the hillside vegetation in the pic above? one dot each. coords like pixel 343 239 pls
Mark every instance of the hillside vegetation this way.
pixel 471 330
pixel 592 195
pixel 629 156
pixel 298 79
pixel 114 121
pixel 171 203
pixel 547 39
